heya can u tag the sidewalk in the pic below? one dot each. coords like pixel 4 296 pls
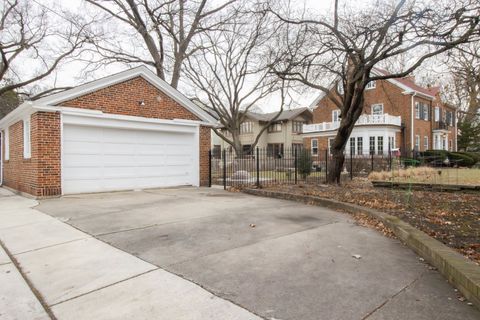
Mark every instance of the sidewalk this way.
pixel 80 277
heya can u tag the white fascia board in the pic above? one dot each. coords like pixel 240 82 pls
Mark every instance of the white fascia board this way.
pixel 19 113
pixel 142 71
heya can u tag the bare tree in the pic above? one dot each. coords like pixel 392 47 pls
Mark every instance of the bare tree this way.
pixel 233 73
pixel 348 45
pixel 33 44
pixel 166 28
pixel 463 88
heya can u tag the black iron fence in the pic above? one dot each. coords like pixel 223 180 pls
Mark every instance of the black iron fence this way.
pixel 289 166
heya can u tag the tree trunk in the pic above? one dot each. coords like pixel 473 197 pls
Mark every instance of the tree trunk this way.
pixel 335 169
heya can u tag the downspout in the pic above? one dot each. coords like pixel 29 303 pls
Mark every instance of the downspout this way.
pixel 455 137
pixel 412 119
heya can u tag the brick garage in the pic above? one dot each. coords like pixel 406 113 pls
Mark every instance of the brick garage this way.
pixel 109 123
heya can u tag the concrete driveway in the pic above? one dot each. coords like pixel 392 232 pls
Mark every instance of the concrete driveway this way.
pixel 277 259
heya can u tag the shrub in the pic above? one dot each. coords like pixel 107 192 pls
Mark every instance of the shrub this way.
pixel 409 162
pixel 304 163
pixel 474 155
pixel 463 160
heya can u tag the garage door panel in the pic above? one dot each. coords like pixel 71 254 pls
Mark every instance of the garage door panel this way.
pixel 82 147
pixel 77 160
pixel 107 159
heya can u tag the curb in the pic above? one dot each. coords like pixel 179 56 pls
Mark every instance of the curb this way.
pixel 459 271
pixel 426 186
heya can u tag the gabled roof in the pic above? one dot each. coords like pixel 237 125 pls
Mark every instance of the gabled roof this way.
pixel 406 84
pixel 141 71
pixel 285 115
pixel 403 83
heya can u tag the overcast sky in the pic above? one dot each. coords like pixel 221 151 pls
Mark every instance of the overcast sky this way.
pixel 71 74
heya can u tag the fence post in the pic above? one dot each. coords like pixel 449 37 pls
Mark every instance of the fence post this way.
pixel 296 165
pixel 351 163
pixel 257 158
pixel 210 168
pixel 326 165
pixel 371 170
pixel 224 170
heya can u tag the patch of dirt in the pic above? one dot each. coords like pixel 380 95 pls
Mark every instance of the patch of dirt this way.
pixel 452 218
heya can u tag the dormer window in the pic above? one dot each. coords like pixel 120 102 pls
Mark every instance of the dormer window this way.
pixel 371 85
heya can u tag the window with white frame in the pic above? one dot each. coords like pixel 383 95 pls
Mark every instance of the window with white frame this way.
pixel 7 143
pixel 437 114
pixel 371 85
pixel 246 127
pixel 314 146
pixel 425 143
pixel 340 87
pixel 352 145
pixel 372 145
pixel 380 145
pixel 330 145
pixel 27 147
pixel 275 127
pixel 336 115
pixel 297 126
pixel 425 112
pixel 417 110
pixel 377 109
pixel 417 142
pixel 391 143
pixel 360 146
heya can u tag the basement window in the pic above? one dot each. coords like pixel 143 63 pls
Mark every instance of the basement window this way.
pixel 27 146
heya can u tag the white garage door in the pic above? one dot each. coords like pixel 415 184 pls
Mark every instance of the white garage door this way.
pixel 99 159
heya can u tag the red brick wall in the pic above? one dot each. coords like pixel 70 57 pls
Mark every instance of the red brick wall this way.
pixel 204 158
pixel 123 98
pixel 394 103
pixel 39 175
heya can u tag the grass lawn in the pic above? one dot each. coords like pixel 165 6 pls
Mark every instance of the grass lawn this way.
pixel 442 176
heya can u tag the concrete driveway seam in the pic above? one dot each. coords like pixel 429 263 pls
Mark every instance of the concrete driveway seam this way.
pixel 392 297
pixel 103 287
pixel 34 290
pixel 273 237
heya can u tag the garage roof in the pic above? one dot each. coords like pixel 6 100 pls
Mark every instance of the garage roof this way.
pixel 141 71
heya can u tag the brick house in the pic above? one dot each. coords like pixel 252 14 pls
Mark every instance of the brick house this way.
pixel 397 114
pixel 130 130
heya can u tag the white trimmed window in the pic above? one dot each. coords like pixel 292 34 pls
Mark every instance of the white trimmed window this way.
pixel 330 145
pixel 437 114
pixel 7 143
pixel 417 142
pixel 27 145
pixel 417 110
pixel 425 143
pixel 352 145
pixel 371 85
pixel 246 127
pixel 336 115
pixel 360 145
pixel 314 146
pixel 377 109
pixel 380 145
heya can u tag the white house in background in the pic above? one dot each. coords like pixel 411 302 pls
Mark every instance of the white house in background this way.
pixel 284 133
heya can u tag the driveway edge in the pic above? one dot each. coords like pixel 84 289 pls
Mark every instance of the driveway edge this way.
pixel 459 271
